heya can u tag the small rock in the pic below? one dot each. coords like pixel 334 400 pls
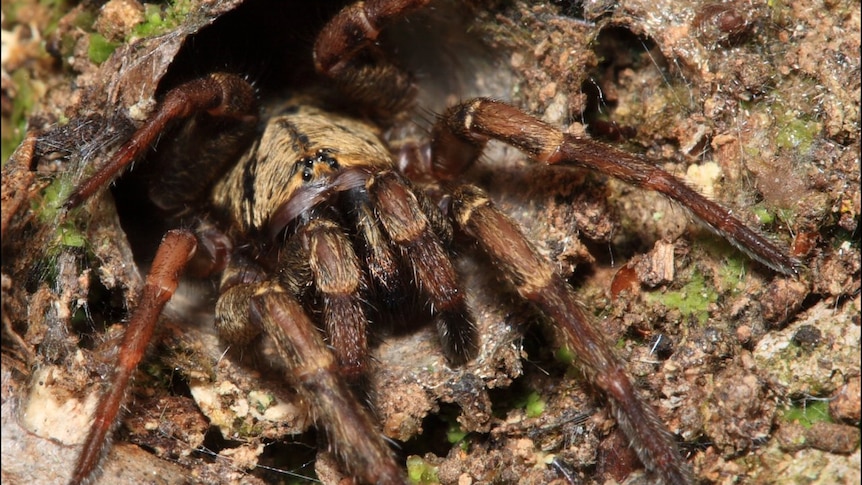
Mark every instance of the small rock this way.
pixel 845 403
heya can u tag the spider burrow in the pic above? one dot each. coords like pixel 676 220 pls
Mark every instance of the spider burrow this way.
pixel 305 206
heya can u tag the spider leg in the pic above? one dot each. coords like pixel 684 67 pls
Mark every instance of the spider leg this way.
pixel 342 49
pixel 175 250
pixel 351 432
pixel 461 133
pixel 537 282
pixel 383 268
pixel 220 95
pixel 339 280
pixel 248 306
pixel 383 265
pixel 409 228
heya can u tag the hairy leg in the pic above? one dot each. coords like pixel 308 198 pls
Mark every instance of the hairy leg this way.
pixel 220 95
pixel 174 252
pixel 345 52
pixel 536 281
pixel 402 216
pixel 462 132
pixel 252 307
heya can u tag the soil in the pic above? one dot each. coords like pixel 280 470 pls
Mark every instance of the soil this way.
pixel 757 373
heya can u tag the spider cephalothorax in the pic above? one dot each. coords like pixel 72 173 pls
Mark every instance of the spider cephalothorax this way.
pixel 306 221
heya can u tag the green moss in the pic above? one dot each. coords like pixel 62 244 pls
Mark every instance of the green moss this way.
pixel 11 10
pixel 158 20
pixel 565 355
pixel 797 133
pixel 790 126
pixel 734 265
pixel 153 23
pixel 693 299
pixel 455 434
pixel 533 404
pixel 84 20
pixel 787 216
pixel 70 236
pixel 100 48
pixel 420 471
pixel 48 211
pixel 13 135
pixel 15 126
pixel 808 413
pixel 763 215
pixel 25 98
pixel 157 375
pixel 733 270
pixel 247 427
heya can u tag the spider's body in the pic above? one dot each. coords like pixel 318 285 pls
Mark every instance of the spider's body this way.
pixel 312 212
pixel 301 145
pixel 313 190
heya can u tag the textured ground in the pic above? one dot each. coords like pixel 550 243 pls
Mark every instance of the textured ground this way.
pixel 755 104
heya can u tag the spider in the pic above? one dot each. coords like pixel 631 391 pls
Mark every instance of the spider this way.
pixel 312 211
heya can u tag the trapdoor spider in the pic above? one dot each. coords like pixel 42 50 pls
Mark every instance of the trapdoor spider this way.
pixel 306 217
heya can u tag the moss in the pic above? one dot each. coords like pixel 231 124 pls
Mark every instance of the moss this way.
pixel 158 20
pixel 11 11
pixel 28 80
pixel 797 133
pixel 733 271
pixel 788 216
pixel 48 211
pixel 70 236
pixel 84 20
pixel 420 471
pixel 100 48
pixel 454 433
pixel 533 404
pixel 565 355
pixel 457 436
pixel 49 207
pixel 790 126
pixel 807 413
pixel 763 215
pixel 248 428
pixel 160 375
pixel 693 299
pixel 22 104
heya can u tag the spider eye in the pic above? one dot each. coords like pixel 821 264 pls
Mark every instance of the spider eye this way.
pixel 307 167
pixel 324 156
